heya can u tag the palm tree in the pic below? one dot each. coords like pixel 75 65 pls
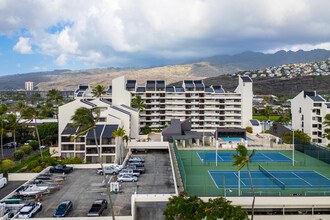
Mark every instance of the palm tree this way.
pixel 54 95
pixel 241 159
pixel 85 120
pixel 32 114
pixel 2 132
pixel 139 104
pixel 98 91
pixel 13 124
pixel 20 106
pixel 119 134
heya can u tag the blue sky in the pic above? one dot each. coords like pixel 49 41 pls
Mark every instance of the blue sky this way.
pixel 38 35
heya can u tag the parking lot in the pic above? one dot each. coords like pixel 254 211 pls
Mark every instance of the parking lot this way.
pixel 11 186
pixel 83 186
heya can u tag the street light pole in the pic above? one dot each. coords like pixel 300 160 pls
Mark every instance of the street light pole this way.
pixel 292 147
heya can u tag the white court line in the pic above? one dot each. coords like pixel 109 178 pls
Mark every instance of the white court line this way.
pixel 320 174
pixel 267 157
pixel 301 178
pixel 200 157
pixel 240 179
pixel 213 179
pixel 285 156
pixel 219 156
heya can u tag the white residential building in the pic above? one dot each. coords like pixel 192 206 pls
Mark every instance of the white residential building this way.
pixel 29 86
pixel 111 117
pixel 308 111
pixel 209 107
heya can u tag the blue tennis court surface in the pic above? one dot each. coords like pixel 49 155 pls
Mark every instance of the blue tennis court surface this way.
pixel 291 179
pixel 234 139
pixel 258 157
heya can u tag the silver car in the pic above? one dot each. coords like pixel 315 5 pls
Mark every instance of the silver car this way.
pixel 127 178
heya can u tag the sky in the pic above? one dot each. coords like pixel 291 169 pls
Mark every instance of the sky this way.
pixel 38 35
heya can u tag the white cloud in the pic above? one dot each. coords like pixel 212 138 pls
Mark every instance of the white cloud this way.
pixel 119 32
pixel 36 68
pixel 23 46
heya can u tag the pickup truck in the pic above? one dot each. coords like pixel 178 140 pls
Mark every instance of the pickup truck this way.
pixel 98 207
pixel 61 169
pixel 134 167
pixel 129 172
pixel 108 170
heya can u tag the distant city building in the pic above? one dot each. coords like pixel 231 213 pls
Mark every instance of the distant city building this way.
pixel 29 86
pixel 308 111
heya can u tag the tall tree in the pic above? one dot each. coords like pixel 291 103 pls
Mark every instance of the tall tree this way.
pixel 98 91
pixel 241 159
pixel 268 111
pixel 85 120
pixel 13 125
pixel 2 132
pixel 118 135
pixel 3 109
pixel 139 104
pixel 20 106
pixel 32 114
pixel 56 97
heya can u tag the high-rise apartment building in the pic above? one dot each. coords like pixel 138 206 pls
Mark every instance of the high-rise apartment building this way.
pixel 308 111
pixel 208 107
pixel 28 86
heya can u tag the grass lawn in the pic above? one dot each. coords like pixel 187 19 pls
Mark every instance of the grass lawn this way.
pixel 264 118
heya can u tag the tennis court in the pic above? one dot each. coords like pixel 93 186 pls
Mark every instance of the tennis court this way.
pixel 270 179
pixel 258 157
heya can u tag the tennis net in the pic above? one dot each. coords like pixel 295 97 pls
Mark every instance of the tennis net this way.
pixel 272 177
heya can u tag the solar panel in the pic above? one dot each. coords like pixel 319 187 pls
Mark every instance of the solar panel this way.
pixel 88 103
pixel 121 110
pixel 169 89
pixel 140 89
pixel 160 84
pixel 151 84
pixel 179 89
pixel 107 133
pixel 98 131
pixel 328 105
pixel 83 88
pixel 130 83
pixel 254 122
pixel 208 89
pixel 246 79
pixel 80 94
pixel 130 108
pixel 68 130
pixel 317 98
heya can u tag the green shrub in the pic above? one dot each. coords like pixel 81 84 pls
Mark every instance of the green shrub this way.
pixel 249 129
pixel 74 160
pixel 38 169
pixel 27 149
pixel 33 164
pixel 34 144
pixel 19 154
pixel 50 161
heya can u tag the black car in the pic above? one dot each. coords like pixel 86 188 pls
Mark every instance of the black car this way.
pixel 63 209
pixel 61 169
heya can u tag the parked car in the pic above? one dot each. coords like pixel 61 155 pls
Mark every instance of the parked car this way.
pixel 9 145
pixel 134 167
pixel 29 210
pixel 27 142
pixel 42 146
pixel 136 159
pixel 3 182
pixel 61 169
pixel 129 172
pixel 108 170
pixel 63 209
pixel 127 178
pixel 139 164
pixel 98 207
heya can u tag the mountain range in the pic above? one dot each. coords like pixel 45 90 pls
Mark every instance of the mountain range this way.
pixel 191 69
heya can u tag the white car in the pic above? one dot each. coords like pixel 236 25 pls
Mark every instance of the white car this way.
pixel 29 210
pixel 127 178
pixel 136 159
pixel 3 182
